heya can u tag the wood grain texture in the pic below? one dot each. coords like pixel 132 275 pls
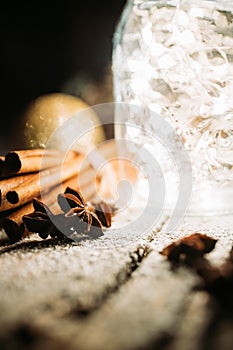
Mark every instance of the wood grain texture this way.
pixel 87 296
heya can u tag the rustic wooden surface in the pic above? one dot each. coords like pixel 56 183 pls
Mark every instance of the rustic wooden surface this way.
pixel 57 295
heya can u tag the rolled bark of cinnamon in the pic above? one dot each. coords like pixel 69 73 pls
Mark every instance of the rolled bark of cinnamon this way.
pixel 20 190
pixel 30 161
pixel 13 223
pixel 11 184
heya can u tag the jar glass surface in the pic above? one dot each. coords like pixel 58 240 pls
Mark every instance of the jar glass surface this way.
pixel 175 58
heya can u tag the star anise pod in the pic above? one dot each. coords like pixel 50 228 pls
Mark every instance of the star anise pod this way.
pixel 216 280
pixel 104 213
pixel 73 203
pixel 43 222
pixel 189 247
pixel 40 221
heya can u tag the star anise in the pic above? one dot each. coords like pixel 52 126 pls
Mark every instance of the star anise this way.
pixel 216 280
pixel 73 203
pixel 104 213
pixel 189 247
pixel 76 219
pixel 43 222
pixel 40 221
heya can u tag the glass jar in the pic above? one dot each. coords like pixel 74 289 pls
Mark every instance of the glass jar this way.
pixel 175 57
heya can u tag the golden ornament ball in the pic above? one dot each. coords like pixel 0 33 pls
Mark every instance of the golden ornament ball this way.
pixel 61 121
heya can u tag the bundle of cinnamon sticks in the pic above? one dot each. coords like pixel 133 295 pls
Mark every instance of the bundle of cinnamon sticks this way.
pixel 29 174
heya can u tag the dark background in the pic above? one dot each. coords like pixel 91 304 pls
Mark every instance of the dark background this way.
pixel 47 44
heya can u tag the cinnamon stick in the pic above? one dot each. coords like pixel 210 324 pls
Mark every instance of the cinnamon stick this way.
pixel 28 161
pixel 13 223
pixel 11 184
pixel 17 193
pixel 25 188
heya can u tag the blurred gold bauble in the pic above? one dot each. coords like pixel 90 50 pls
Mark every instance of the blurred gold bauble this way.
pixel 53 113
